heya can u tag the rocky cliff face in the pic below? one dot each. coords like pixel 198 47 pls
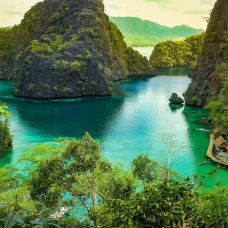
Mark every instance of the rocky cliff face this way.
pixel 209 75
pixel 68 48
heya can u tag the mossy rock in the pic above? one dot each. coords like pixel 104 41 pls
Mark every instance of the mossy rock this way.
pixel 175 99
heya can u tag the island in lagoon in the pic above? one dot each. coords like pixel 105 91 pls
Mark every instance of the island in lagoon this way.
pixel 70 60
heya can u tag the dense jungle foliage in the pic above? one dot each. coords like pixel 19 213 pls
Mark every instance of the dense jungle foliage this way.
pixel 72 174
pixel 6 49
pixel 219 110
pixel 50 50
pixel 177 53
pixel 5 135
pixel 5 44
pixel 219 104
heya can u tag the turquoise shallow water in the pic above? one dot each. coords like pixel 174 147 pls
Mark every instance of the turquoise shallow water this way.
pixel 135 120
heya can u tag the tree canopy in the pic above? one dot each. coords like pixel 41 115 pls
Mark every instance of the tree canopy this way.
pixel 177 53
pixel 5 136
pixel 72 174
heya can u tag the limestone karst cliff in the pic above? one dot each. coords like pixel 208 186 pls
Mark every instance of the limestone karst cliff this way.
pixel 68 48
pixel 211 71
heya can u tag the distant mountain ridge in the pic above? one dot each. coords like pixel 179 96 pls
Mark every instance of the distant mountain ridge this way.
pixel 138 32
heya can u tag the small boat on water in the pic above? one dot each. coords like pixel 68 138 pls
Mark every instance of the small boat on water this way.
pixel 218 150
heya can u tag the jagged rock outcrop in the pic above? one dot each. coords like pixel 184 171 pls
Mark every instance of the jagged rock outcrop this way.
pixel 209 74
pixel 68 48
pixel 175 99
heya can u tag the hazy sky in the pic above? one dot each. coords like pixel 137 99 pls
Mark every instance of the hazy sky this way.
pixel 166 12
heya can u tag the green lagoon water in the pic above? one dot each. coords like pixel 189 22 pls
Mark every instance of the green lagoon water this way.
pixel 134 121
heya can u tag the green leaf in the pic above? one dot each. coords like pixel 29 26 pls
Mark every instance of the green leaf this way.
pixel 12 219
pixel 18 208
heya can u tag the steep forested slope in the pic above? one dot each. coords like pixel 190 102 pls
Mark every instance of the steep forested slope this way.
pixel 211 72
pixel 138 32
pixel 70 48
pixel 177 53
pixel 6 47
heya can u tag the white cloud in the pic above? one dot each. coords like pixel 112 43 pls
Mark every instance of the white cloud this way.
pixel 167 12
pixel 12 11
pixel 207 2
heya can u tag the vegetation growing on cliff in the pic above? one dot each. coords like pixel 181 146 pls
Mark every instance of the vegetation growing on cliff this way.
pixel 219 110
pixel 177 53
pixel 68 49
pixel 6 48
pixel 219 106
pixel 74 175
pixel 210 73
pixel 5 136
pixel 5 44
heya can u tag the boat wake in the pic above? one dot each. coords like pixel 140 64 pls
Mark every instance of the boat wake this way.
pixel 202 129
